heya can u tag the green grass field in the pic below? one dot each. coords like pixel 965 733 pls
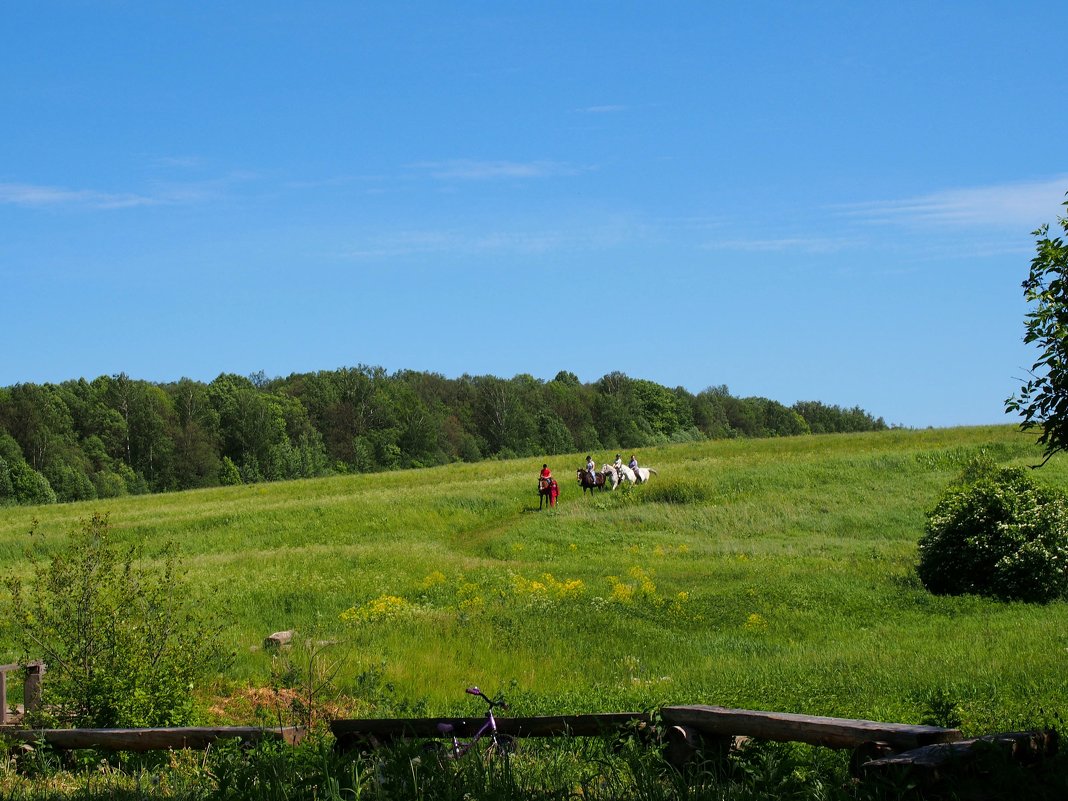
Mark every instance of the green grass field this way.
pixel 767 574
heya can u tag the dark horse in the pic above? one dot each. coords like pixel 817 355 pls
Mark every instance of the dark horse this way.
pixel 546 492
pixel 588 482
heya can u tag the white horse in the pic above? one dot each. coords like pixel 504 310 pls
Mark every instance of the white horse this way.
pixel 614 478
pixel 642 474
pixel 617 475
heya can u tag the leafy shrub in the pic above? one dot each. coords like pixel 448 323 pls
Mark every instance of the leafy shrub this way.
pixel 120 641
pixel 999 534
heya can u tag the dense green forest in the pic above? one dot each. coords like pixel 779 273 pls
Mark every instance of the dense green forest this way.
pixel 117 435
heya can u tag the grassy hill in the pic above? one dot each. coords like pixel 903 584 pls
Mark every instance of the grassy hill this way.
pixel 770 574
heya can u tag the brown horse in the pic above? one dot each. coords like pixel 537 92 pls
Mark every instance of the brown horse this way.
pixel 588 482
pixel 546 492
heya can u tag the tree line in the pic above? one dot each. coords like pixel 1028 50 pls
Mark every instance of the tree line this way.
pixel 116 435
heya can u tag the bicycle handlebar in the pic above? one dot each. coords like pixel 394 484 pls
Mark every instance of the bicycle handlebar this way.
pixel 499 702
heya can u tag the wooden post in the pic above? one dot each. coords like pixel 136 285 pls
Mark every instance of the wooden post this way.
pixel 31 693
pixel 682 745
pixel 4 670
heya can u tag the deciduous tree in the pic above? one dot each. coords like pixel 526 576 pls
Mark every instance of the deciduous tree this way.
pixel 1043 398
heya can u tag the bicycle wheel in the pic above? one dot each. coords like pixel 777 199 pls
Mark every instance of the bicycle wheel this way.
pixel 437 751
pixel 501 747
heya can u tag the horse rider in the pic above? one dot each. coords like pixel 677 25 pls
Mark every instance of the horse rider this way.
pixel 618 463
pixel 591 468
pixel 633 465
pixel 546 473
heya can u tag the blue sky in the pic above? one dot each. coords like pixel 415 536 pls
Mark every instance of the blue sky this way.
pixel 801 200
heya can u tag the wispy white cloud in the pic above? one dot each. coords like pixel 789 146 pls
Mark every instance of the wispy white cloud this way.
pixel 172 193
pixel 181 162
pixel 417 242
pixel 190 192
pixel 794 244
pixel 470 170
pixel 1027 204
pixel 319 183
pixel 42 196
pixel 413 243
pixel 606 109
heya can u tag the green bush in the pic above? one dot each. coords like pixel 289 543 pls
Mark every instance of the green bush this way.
pixel 122 644
pixel 998 534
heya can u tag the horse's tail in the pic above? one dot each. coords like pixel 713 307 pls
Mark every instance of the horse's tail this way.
pixel 653 472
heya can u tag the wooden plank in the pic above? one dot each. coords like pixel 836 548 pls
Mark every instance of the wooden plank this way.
pixel 384 729
pixel 830 732
pixel 157 739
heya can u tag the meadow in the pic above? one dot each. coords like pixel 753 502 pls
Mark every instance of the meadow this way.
pixel 772 574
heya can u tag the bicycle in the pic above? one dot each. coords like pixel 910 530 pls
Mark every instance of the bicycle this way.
pixel 499 744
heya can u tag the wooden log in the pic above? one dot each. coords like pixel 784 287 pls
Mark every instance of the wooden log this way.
pixel 158 739
pixel 350 733
pixel 829 732
pixel 1025 747
pixel 682 744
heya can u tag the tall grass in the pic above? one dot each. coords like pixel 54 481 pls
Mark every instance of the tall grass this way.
pixel 770 574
